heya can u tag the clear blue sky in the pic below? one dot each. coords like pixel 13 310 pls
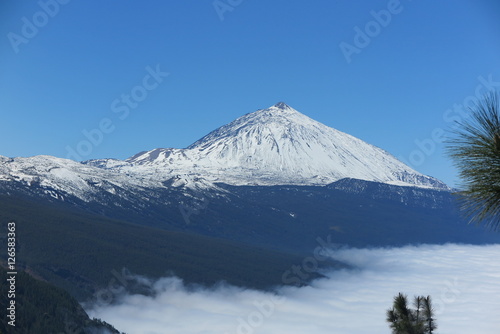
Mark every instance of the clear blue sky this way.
pixel 63 76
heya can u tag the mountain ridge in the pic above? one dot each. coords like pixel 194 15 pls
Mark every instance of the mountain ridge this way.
pixel 273 146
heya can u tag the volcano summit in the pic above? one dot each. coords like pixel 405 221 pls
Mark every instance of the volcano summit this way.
pixel 277 146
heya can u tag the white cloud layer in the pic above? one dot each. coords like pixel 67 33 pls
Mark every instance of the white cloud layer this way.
pixel 463 281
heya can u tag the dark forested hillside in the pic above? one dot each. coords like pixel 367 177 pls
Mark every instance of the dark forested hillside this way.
pixel 80 252
pixel 43 308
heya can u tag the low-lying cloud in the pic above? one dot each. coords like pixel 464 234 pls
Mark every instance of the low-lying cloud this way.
pixel 463 281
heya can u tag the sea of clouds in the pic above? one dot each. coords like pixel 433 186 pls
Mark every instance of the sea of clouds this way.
pixel 463 281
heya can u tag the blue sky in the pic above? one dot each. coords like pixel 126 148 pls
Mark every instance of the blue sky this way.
pixel 393 73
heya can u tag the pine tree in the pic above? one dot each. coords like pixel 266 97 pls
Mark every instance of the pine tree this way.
pixel 430 323
pixel 418 303
pixel 475 148
pixel 403 320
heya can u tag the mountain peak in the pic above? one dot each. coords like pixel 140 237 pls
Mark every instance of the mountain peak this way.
pixel 280 112
pixel 281 106
pixel 280 145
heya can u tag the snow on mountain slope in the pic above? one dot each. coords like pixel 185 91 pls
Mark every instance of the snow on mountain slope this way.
pixel 274 146
pixel 59 177
pixel 279 145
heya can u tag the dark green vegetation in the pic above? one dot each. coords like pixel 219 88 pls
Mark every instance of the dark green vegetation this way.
pixel 404 320
pixel 475 149
pixel 43 308
pixel 291 218
pixel 79 251
pixel 354 212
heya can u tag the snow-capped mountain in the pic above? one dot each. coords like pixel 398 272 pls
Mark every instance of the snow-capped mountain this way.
pixel 279 145
pixel 272 182
pixel 273 146
pixel 272 178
